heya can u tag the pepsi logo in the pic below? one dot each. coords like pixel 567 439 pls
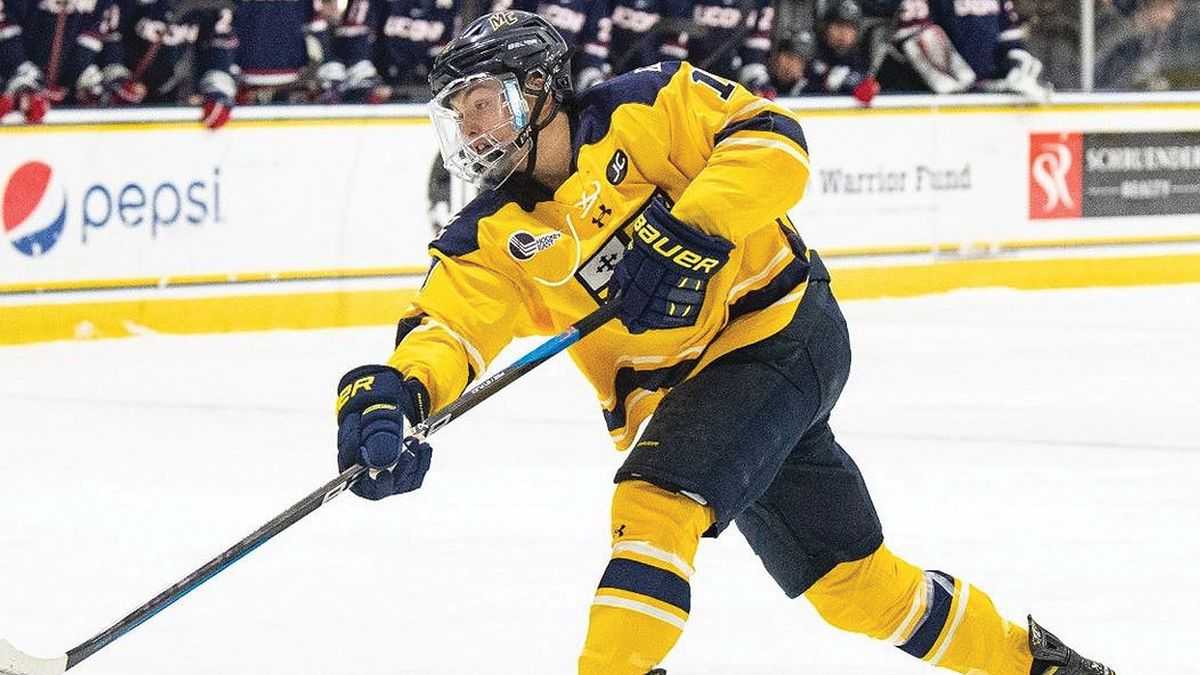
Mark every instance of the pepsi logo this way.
pixel 34 209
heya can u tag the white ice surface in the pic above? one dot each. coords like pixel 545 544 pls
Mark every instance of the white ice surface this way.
pixel 1044 446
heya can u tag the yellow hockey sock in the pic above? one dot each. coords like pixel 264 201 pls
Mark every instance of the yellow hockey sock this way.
pixel 927 614
pixel 644 596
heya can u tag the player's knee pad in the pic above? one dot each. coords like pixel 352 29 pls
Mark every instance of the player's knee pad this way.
pixel 644 597
pixel 873 596
pixel 655 535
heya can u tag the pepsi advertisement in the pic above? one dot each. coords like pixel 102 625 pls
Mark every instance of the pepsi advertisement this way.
pixel 38 209
pixel 90 207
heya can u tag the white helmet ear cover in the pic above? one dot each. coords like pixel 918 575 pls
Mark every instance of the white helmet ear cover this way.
pixel 483 126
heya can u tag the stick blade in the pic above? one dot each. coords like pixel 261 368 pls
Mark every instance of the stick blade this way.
pixel 16 662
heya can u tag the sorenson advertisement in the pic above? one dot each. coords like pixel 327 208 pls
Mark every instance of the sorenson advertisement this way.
pixel 1090 175
pixel 1132 174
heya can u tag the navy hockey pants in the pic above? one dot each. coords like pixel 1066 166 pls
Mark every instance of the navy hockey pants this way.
pixel 750 436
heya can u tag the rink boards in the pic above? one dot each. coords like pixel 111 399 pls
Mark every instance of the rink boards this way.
pixel 141 221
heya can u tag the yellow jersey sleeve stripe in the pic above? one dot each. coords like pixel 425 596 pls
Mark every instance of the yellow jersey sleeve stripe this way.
pixel 753 107
pixel 769 271
pixel 767 121
pixel 766 143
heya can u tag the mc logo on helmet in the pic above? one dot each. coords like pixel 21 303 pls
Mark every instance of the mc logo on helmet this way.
pixel 501 19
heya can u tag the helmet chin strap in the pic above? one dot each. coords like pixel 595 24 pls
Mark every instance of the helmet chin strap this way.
pixel 540 103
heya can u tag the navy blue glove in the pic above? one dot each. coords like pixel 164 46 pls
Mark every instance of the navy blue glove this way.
pixel 664 274
pixel 374 409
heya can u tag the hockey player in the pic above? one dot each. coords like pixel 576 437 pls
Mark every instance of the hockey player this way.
pixel 158 34
pixel 840 65
pixel 400 37
pixel 949 46
pixel 730 38
pixel 280 42
pixel 52 52
pixel 20 79
pixel 788 64
pixel 584 24
pixel 665 190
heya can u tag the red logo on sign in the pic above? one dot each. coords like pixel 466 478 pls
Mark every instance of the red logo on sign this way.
pixel 1055 175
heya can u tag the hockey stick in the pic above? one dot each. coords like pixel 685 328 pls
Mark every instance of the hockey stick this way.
pixel 866 91
pixel 60 26
pixel 16 662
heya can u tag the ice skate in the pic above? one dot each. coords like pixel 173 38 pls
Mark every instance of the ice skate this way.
pixel 1052 657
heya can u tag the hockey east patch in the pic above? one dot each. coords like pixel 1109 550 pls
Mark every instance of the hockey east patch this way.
pixel 523 245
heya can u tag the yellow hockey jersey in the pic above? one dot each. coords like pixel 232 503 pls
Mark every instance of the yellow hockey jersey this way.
pixel 518 261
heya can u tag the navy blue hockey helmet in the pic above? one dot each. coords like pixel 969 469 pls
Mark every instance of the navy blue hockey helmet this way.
pixel 505 42
pixel 800 42
pixel 483 83
pixel 844 11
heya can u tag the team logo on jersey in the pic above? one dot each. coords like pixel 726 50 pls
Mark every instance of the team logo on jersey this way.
pixel 618 167
pixel 34 209
pixel 523 246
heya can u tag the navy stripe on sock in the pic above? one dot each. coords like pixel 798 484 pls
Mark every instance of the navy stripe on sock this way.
pixel 939 602
pixel 637 577
pixel 768 121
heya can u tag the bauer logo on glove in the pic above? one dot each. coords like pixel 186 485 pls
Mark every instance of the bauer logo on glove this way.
pixel 376 407
pixel 662 244
pixel 662 279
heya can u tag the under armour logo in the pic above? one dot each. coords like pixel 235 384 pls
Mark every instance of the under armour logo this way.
pixel 620 531
pixel 598 221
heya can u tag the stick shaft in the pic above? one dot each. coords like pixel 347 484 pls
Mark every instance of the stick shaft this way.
pixel 338 485
pixel 212 567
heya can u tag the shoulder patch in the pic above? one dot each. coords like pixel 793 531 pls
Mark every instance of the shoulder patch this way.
pixel 461 236
pixel 594 108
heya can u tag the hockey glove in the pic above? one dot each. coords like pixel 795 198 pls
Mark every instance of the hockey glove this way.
pixel 328 84
pixel 866 90
pixel 1022 77
pixel 215 111
pixel 664 275
pixel 7 104
pixel 218 89
pixel 374 409
pixel 89 87
pixel 34 106
pixel 120 87
pixel 25 93
pixel 363 85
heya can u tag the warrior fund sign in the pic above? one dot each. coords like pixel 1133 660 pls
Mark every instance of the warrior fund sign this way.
pixel 1073 175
